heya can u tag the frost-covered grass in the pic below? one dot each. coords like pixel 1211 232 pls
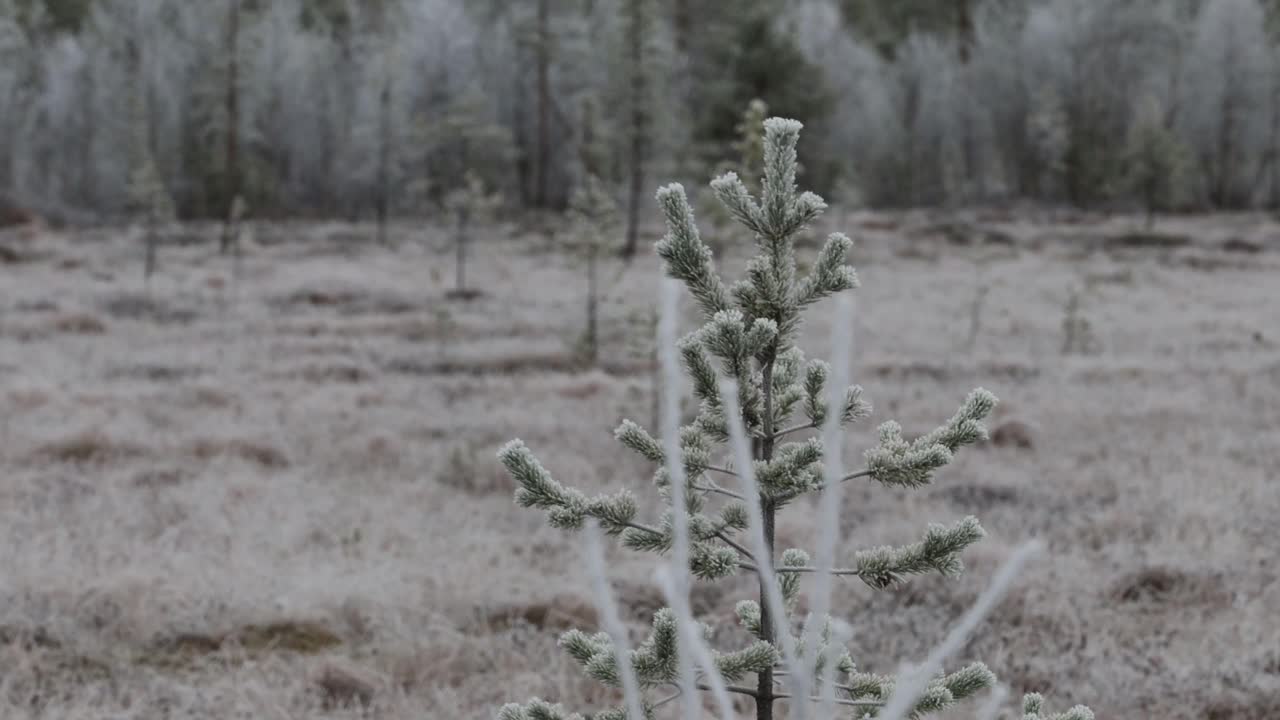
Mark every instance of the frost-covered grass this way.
pixel 227 497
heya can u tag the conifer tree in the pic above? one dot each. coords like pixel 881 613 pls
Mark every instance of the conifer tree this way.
pixel 594 217
pixel 749 146
pixel 148 200
pixel 471 204
pixel 461 140
pixel 1155 161
pixel 770 389
pixel 750 143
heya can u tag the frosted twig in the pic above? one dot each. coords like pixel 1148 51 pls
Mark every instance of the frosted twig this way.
pixel 830 502
pixel 679 590
pixel 609 616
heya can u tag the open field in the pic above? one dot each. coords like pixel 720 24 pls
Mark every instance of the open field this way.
pixel 271 492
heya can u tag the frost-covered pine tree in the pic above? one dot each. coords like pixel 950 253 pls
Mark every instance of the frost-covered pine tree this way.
pixel 759 393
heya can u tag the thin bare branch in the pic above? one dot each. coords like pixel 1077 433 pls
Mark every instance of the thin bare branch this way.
pixel 727 541
pixel 795 429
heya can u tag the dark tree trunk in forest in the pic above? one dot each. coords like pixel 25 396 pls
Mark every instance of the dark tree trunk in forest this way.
pixel 383 199
pixel 542 166
pixel 1273 143
pixel 592 340
pixel 682 23
pixel 964 29
pixel 460 260
pixel 639 122
pixel 231 177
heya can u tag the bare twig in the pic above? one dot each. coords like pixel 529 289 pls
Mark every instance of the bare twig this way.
pixel 713 488
pixel 795 429
pixel 642 528
pixel 837 701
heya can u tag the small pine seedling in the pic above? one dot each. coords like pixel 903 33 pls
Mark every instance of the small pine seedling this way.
pixel 470 205
pixel 594 217
pixel 758 393
pixel 1155 161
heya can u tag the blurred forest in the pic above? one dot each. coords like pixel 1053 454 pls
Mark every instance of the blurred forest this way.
pixel 369 108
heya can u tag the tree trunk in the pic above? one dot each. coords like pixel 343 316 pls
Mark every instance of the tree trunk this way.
pixel 89 138
pixel 639 121
pixel 460 279
pixel 1273 142
pixel 682 22
pixel 764 451
pixel 383 199
pixel 593 309
pixel 151 259
pixel 964 29
pixel 231 179
pixel 542 175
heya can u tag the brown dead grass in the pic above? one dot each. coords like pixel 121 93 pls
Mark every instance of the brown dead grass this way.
pixel 252 451
pixel 1144 470
pixel 1162 587
pixel 344 686
pixel 79 324
pixel 28 400
pixel 190 649
pixel 559 613
pixel 91 447
pixel 520 364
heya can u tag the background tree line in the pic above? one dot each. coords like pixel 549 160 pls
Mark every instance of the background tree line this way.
pixel 369 108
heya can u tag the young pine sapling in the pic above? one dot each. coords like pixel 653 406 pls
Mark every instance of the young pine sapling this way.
pixel 758 393
pixel 149 202
pixel 1154 160
pixel 749 148
pixel 470 205
pixel 594 216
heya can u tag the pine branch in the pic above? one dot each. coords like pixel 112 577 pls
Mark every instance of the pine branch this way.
pixel 713 488
pixel 885 566
pixel 838 701
pixel 795 429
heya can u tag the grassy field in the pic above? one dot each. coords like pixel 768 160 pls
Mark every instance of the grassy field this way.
pixel 270 491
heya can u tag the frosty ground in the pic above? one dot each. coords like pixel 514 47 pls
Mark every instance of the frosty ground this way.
pixel 271 491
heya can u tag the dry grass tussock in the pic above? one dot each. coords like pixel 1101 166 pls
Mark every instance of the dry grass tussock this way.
pixel 202 520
